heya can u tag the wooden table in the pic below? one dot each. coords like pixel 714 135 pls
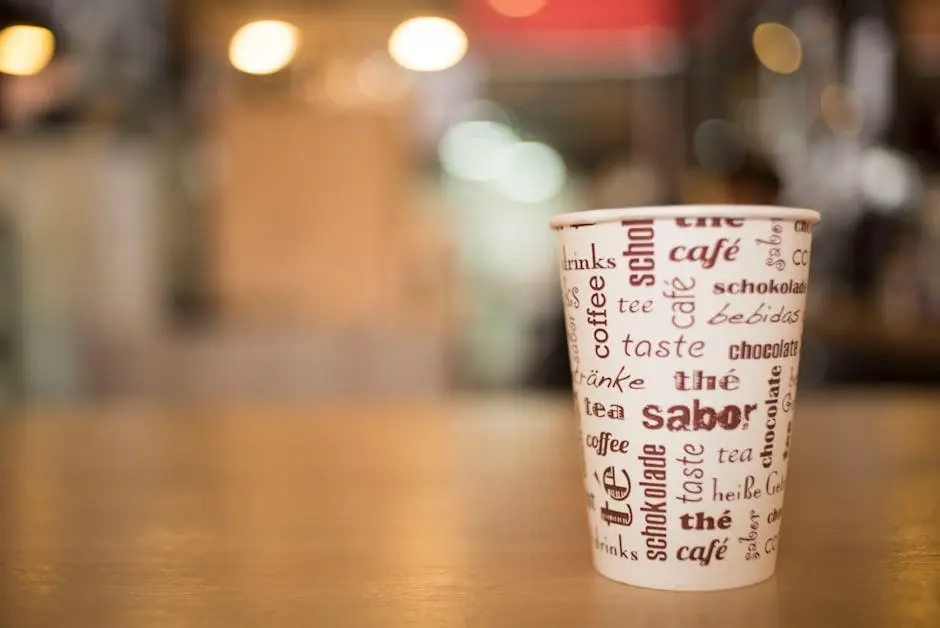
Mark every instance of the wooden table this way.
pixel 459 513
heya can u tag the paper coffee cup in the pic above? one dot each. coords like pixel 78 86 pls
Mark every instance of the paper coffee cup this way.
pixel 684 331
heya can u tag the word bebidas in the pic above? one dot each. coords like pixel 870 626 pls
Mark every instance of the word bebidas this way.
pixel 763 314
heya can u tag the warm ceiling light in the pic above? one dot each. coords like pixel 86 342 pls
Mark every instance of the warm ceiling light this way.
pixel 777 48
pixel 427 44
pixel 517 8
pixel 25 50
pixel 264 47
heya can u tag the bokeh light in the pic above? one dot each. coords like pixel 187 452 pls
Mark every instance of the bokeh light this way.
pixel 888 178
pixel 264 47
pixel 719 146
pixel 517 8
pixel 25 50
pixel 532 172
pixel 476 150
pixel 841 110
pixel 483 110
pixel 340 83
pixel 777 48
pixel 427 44
pixel 380 79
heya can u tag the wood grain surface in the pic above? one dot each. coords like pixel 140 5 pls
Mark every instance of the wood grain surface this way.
pixel 447 513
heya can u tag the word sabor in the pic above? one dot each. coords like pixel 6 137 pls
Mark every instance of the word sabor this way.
pixel 681 417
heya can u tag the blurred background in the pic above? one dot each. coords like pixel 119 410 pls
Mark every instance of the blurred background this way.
pixel 262 200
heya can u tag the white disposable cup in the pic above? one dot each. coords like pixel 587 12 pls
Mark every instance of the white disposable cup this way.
pixel 684 329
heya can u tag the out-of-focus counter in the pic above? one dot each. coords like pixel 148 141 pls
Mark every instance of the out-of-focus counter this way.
pixel 449 513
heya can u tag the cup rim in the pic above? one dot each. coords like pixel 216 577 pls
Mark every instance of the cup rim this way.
pixel 590 217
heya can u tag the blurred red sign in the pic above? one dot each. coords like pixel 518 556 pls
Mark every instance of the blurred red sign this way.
pixel 566 26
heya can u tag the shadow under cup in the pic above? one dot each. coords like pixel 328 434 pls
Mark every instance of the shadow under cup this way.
pixel 684 329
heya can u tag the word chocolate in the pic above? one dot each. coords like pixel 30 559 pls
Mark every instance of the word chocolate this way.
pixel 772 402
pixel 744 350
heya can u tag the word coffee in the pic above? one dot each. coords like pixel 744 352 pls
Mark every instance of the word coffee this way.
pixel 605 442
pixel 597 317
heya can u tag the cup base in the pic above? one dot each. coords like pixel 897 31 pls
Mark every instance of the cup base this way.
pixel 642 581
